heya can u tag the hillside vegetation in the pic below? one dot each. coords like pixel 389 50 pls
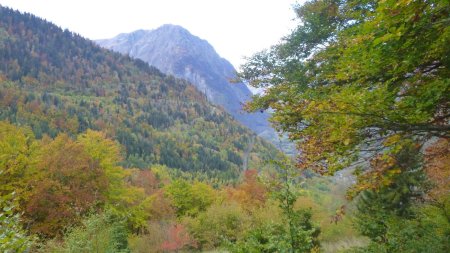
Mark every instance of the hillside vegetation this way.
pixel 56 81
pixel 174 50
pixel 102 153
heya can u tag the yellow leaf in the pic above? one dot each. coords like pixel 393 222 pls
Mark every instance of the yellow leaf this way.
pixel 346 142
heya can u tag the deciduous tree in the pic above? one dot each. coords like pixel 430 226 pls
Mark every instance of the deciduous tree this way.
pixel 190 199
pixel 72 184
pixel 18 159
pixel 355 77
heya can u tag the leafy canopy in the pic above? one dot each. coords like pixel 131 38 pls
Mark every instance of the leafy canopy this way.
pixel 357 78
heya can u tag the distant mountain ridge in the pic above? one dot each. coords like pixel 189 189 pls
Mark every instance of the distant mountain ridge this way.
pixel 174 50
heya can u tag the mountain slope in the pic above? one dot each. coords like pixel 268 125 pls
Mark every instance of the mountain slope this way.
pixel 56 81
pixel 173 50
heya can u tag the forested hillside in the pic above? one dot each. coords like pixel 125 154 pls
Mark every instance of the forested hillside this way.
pixel 174 50
pixel 102 153
pixel 56 81
pixel 68 194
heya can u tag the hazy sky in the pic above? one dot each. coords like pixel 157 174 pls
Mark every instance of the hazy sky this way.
pixel 235 28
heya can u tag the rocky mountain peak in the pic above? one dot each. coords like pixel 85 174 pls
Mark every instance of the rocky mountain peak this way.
pixel 174 50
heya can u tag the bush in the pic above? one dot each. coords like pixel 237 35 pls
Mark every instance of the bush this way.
pixel 163 237
pixel 102 233
pixel 12 237
pixel 299 236
pixel 218 224
pixel 428 232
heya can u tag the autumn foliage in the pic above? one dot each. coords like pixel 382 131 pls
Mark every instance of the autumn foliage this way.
pixel 437 167
pixel 177 238
pixel 71 184
pixel 251 192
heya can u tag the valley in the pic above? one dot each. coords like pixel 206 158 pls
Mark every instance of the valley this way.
pixel 152 142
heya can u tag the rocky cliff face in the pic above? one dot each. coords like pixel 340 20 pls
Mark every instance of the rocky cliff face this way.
pixel 173 50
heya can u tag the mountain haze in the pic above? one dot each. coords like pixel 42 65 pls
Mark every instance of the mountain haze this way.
pixel 174 50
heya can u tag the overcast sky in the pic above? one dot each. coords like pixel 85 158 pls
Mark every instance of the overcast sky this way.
pixel 235 28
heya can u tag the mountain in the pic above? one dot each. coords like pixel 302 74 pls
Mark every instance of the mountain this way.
pixel 174 50
pixel 53 81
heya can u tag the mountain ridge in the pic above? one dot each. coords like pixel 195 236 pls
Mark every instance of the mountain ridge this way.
pixel 174 50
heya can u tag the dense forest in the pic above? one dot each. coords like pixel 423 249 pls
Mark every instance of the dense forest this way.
pixel 56 81
pixel 102 153
pixel 73 197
